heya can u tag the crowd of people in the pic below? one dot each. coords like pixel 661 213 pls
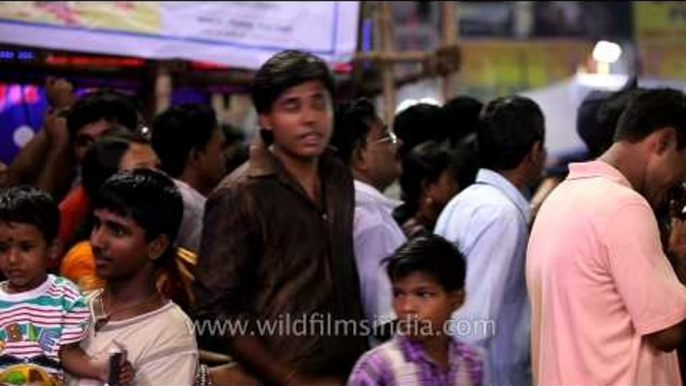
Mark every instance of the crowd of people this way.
pixel 438 251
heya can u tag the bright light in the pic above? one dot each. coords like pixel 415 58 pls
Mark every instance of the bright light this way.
pixel 405 104
pixel 430 101
pixel 607 52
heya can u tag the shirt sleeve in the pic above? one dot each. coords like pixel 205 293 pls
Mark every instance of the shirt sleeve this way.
pixel 76 316
pixel 226 257
pixel 645 280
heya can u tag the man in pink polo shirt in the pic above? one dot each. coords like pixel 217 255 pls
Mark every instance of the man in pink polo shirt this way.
pixel 607 307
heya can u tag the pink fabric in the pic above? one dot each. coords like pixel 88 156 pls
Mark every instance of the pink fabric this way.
pixel 598 281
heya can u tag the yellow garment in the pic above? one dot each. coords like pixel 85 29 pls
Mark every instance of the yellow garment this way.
pixel 173 280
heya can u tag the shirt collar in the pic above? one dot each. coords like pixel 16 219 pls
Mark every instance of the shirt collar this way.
pixel 597 168
pixel 414 351
pixel 489 177
pixel 375 196
pixel 264 163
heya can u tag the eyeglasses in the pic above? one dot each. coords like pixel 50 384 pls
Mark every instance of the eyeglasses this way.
pixel 391 137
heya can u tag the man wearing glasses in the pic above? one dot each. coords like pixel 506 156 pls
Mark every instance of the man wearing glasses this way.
pixel 364 142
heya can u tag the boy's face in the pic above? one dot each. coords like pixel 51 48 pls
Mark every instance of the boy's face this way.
pixel 23 255
pixel 423 306
pixel 119 245
pixel 300 120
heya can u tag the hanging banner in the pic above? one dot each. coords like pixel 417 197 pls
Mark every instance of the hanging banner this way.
pixel 240 34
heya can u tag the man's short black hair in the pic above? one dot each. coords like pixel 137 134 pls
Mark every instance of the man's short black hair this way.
pixel 432 255
pixel 284 70
pixel 461 117
pixel 147 196
pixel 106 104
pixel 652 110
pixel 508 128
pixel 102 160
pixel 178 130
pixel 353 123
pixel 29 205
pixel 418 124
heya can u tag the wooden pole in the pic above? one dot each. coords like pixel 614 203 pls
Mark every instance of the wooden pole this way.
pixel 448 39
pixel 388 85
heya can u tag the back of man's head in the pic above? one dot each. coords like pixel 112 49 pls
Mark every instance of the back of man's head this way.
pixel 353 122
pixel 508 129
pixel 650 111
pixel 149 197
pixel 285 70
pixel 461 117
pixel 178 130
pixel 418 124
pixel 107 105
pixel 103 159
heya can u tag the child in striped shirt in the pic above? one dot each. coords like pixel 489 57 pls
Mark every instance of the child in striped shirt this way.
pixel 42 317
pixel 427 275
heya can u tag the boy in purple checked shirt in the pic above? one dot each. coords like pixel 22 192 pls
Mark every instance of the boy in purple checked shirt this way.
pixel 427 275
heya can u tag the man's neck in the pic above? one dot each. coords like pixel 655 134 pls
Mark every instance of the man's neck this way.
pixel 304 171
pixel 194 181
pixel 364 177
pixel 628 162
pixel 516 177
pixel 132 289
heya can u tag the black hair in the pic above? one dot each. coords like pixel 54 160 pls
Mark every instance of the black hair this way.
pixel 29 205
pixel 102 160
pixel 178 130
pixel 461 117
pixel 147 196
pixel 418 124
pixel 353 123
pixel 651 110
pixel 106 104
pixel 284 70
pixel 508 128
pixel 432 255
pixel 425 164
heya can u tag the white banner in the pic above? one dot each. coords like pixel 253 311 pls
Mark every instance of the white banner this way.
pixel 240 34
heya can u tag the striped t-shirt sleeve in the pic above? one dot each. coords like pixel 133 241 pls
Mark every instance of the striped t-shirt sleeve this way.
pixel 76 316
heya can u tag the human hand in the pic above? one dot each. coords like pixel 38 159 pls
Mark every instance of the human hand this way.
pixel 59 92
pixel 55 127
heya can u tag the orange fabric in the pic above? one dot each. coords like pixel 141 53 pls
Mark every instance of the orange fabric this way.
pixel 78 266
pixel 173 280
pixel 74 210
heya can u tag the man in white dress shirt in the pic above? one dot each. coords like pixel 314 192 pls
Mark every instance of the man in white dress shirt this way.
pixel 364 142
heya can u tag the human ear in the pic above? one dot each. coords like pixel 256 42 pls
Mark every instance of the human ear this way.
pixel 157 247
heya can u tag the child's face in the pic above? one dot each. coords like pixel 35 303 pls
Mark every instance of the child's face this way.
pixel 119 245
pixel 423 306
pixel 23 255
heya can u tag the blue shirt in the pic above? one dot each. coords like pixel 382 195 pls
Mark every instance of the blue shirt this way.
pixel 489 222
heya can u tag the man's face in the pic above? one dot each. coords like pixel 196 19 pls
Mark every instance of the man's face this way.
pixel 300 120
pixel 664 170
pixel 380 155
pixel 139 155
pixel 86 136
pixel 119 245
pixel 212 158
